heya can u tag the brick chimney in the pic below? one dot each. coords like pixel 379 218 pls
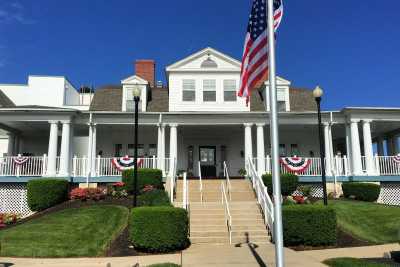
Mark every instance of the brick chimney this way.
pixel 146 69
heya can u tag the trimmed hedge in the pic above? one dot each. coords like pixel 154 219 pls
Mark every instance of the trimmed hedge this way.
pixel 46 192
pixel 310 225
pixel 159 229
pixel 145 177
pixel 361 191
pixel 155 197
pixel 289 183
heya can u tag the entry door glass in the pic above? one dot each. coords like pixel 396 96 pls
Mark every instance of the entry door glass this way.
pixel 207 156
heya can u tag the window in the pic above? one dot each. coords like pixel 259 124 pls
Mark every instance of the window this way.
pixel 188 90
pixel 281 105
pixel 209 94
pixel 130 104
pixel 118 150
pixel 282 150
pixel 229 90
pixel 152 150
pixel 140 151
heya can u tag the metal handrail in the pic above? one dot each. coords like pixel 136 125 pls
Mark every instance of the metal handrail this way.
pixel 228 217
pixel 200 183
pixel 228 181
pixel 262 196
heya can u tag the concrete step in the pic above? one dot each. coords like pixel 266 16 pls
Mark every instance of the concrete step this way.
pixel 225 240
pixel 201 227
pixel 210 233
pixel 248 217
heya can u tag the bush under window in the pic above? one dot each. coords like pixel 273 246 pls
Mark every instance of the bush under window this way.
pixel 311 225
pixel 361 191
pixel 46 192
pixel 159 229
pixel 289 183
pixel 145 177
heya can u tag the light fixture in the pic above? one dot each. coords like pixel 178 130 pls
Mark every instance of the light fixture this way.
pixel 318 92
pixel 136 91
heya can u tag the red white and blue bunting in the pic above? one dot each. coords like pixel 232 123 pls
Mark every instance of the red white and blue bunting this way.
pixel 125 163
pixel 397 158
pixel 295 164
pixel 20 160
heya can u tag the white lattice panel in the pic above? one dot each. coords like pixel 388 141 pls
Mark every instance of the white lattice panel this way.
pixel 390 194
pixel 316 190
pixel 13 198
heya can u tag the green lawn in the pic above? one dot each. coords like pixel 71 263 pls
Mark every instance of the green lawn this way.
pixel 353 262
pixel 72 232
pixel 367 221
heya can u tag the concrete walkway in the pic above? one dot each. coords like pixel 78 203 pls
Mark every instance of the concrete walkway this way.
pixel 355 252
pixel 195 256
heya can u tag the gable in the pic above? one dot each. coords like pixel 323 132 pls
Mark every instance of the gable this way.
pixel 206 60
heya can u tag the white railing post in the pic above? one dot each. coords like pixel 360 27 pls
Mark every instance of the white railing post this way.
pixel 268 165
pixel 74 161
pixel 346 165
pixel 154 162
pixel 377 165
pixel 98 160
pixel 44 164
pixel 184 193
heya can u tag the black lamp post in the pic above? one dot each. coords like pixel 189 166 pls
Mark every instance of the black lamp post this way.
pixel 136 99
pixel 317 93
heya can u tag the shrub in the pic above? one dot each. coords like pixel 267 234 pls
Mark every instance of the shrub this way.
pixel 145 177
pixel 159 229
pixel 45 192
pixel 361 191
pixel 311 225
pixel 289 183
pixel 156 197
pixel 87 193
pixel 8 218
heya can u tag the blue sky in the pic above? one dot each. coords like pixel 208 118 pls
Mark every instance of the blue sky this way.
pixel 350 48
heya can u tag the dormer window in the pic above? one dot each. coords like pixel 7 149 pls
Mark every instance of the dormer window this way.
pixel 130 103
pixel 230 90
pixel 209 91
pixel 188 90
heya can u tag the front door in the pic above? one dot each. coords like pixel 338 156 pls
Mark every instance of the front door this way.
pixel 207 161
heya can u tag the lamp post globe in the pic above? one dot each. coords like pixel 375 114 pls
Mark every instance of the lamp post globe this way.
pixel 136 91
pixel 317 93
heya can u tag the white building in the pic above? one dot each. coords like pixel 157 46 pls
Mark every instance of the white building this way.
pixel 196 120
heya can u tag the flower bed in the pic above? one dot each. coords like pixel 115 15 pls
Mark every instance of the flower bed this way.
pixel 87 193
pixel 8 219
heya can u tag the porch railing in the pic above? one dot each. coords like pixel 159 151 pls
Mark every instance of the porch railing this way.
pixel 34 166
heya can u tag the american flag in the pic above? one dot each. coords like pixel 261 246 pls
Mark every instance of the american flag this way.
pixel 255 53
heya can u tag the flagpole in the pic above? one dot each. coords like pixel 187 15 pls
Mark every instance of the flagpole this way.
pixel 278 229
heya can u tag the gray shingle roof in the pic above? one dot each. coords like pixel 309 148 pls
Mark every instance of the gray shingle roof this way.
pixel 109 98
pixel 5 102
pixel 300 100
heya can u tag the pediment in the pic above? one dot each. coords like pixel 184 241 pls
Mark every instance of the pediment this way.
pixel 134 79
pixel 207 59
pixel 280 81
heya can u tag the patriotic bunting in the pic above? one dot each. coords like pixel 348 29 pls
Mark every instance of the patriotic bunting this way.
pixel 125 163
pixel 295 164
pixel 20 160
pixel 397 158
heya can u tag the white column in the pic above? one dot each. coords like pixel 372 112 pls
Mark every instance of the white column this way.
pixel 355 148
pixel 173 145
pixel 65 149
pixel 348 146
pixel 94 145
pixel 89 149
pixel 52 150
pixel 11 141
pixel 248 143
pixel 328 155
pixel 369 154
pixel 161 147
pixel 260 149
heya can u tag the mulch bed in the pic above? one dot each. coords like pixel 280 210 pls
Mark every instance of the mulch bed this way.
pixel 344 240
pixel 122 246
